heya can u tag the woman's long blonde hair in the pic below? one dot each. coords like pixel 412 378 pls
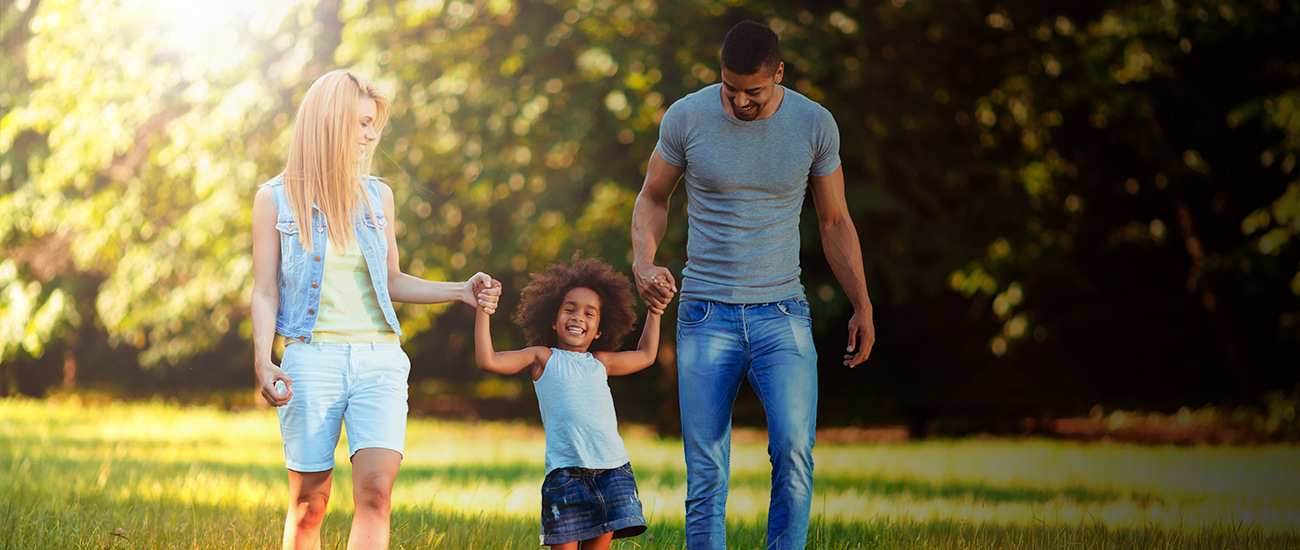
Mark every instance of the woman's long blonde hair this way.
pixel 320 171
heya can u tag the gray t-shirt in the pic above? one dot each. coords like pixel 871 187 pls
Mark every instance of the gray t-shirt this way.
pixel 745 186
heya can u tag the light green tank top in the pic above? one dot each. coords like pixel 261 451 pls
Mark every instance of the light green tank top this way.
pixel 349 307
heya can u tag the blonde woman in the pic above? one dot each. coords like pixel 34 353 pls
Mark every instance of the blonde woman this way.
pixel 325 274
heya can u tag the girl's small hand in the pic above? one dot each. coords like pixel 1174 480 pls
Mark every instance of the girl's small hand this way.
pixel 488 297
pixel 484 292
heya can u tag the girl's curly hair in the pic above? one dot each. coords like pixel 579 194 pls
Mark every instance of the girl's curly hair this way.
pixel 544 295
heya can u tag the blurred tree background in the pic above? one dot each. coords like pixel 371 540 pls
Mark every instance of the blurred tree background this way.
pixel 1061 204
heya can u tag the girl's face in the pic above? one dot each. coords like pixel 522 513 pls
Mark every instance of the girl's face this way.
pixel 367 110
pixel 578 322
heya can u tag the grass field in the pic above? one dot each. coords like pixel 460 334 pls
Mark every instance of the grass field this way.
pixel 72 476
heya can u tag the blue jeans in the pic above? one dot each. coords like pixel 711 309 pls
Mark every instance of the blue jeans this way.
pixel 771 345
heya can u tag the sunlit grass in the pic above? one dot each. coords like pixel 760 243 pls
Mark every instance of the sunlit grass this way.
pixel 71 475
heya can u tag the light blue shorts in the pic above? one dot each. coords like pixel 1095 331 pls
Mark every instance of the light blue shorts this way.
pixel 361 386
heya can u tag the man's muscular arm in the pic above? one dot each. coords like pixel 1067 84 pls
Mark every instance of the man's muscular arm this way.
pixel 649 221
pixel 844 253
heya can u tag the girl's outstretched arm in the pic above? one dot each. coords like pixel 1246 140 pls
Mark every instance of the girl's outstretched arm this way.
pixel 628 362
pixel 505 362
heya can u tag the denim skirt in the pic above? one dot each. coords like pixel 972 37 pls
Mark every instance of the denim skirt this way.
pixel 580 504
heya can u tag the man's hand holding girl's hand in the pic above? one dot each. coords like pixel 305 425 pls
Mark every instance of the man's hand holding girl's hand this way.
pixel 656 286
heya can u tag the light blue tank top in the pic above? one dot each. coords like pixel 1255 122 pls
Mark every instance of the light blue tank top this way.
pixel 578 413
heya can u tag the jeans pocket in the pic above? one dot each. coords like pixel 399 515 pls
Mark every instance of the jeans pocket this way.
pixel 557 480
pixel 795 307
pixel 693 313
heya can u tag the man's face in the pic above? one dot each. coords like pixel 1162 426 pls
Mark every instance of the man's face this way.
pixel 750 95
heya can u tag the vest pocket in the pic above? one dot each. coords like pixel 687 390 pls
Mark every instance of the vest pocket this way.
pixel 291 249
pixel 370 233
pixel 377 222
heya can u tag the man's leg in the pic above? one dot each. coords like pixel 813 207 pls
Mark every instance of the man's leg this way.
pixel 783 370
pixel 710 365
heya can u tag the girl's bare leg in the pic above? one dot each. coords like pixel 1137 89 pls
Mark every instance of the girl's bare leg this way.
pixel 598 543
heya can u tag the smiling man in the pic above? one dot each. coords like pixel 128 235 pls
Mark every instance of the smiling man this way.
pixel 750 150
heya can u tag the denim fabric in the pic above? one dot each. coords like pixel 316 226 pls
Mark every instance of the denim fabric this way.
pixel 770 345
pixel 579 504
pixel 361 386
pixel 301 270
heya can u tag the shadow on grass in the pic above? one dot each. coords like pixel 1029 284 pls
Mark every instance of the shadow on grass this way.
pixel 77 474
pixel 74 475
pixel 943 534
pixel 36 520
pixel 40 520
pixel 921 489
pixel 470 474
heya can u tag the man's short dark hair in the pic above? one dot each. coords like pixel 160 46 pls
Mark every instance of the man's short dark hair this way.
pixel 750 47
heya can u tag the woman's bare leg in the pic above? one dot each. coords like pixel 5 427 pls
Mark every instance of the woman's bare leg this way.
pixel 373 474
pixel 309 494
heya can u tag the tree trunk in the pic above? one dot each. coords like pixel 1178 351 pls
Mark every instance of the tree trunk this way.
pixel 1196 284
pixel 69 369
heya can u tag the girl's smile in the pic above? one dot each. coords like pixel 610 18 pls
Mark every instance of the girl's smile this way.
pixel 577 323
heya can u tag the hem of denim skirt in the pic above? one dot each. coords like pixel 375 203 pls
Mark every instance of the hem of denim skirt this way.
pixel 629 527
pixel 613 526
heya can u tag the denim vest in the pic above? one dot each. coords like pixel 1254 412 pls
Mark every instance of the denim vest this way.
pixel 301 270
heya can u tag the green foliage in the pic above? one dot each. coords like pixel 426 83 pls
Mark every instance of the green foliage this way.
pixel 1025 164
pixel 1100 160
pixel 128 171
pixel 1273 419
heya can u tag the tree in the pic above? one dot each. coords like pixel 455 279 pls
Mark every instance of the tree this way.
pixel 1081 203
pixel 127 173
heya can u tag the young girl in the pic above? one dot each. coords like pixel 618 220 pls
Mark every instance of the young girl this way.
pixel 574 317
pixel 325 274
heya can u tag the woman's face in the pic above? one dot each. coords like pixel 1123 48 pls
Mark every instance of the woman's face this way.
pixel 366 113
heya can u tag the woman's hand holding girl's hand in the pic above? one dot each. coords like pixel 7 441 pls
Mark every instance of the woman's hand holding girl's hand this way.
pixel 268 375
pixel 483 292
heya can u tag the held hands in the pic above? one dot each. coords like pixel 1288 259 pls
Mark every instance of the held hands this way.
pixel 656 286
pixel 862 336
pixel 483 292
pixel 272 381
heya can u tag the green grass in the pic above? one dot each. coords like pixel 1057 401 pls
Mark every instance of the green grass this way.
pixel 71 476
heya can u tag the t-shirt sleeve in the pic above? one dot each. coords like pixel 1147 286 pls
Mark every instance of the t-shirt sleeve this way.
pixel 672 136
pixel 826 145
